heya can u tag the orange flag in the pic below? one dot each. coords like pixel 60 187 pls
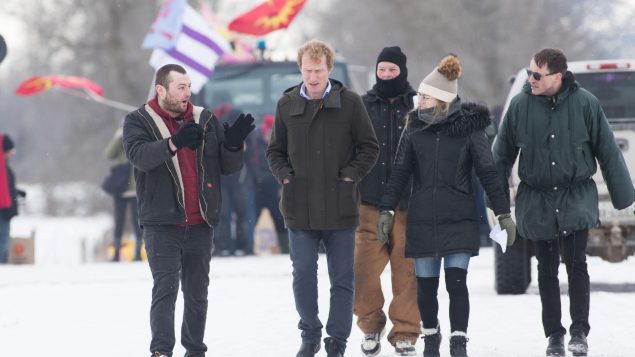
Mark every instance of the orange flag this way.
pixel 41 83
pixel 267 17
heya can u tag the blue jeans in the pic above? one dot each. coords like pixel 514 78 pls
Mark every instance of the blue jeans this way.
pixel 179 253
pixel 5 225
pixel 340 247
pixel 430 267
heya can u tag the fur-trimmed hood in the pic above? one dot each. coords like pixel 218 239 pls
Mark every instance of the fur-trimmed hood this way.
pixel 462 120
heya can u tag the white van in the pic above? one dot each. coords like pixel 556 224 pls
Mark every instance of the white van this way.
pixel 613 83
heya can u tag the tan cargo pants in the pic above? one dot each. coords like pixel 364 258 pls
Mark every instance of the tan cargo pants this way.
pixel 371 258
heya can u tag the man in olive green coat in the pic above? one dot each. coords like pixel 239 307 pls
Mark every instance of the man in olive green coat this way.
pixel 322 145
pixel 560 130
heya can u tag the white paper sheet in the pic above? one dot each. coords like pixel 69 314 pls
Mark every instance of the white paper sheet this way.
pixel 499 236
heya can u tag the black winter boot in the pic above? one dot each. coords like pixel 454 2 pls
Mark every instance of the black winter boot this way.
pixel 555 347
pixel 577 344
pixel 308 349
pixel 432 343
pixel 458 346
pixel 333 349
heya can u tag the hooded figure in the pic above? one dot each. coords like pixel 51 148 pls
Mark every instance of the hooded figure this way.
pixel 393 87
pixel 387 104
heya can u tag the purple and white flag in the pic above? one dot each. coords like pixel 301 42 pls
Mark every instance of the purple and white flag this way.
pixel 197 49
pixel 167 25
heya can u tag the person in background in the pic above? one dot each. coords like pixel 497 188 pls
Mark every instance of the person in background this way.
pixel 561 129
pixel 322 145
pixel 267 188
pixel 179 151
pixel 444 142
pixel 387 103
pixel 234 208
pixel 8 195
pixel 127 200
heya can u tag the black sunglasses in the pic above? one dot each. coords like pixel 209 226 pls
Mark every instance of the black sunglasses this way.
pixel 537 76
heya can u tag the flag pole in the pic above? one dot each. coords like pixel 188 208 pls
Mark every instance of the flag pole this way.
pixel 88 95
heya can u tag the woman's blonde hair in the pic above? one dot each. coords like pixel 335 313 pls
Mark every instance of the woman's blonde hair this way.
pixel 440 109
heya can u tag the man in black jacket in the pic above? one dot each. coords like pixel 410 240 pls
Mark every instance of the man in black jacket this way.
pixel 179 152
pixel 388 104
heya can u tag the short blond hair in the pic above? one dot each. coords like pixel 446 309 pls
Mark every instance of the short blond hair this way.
pixel 315 49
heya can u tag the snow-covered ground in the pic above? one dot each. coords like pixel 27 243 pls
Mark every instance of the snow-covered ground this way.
pixel 63 307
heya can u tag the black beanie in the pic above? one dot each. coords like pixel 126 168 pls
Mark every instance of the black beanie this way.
pixel 394 55
pixel 399 85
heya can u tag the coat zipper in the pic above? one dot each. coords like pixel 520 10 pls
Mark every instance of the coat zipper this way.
pixel 391 127
pixel 168 167
pixel 434 195
pixel 202 175
pixel 321 105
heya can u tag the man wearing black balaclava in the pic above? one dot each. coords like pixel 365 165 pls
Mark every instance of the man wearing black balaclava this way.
pixel 387 103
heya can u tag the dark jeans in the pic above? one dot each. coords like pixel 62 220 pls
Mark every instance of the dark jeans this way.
pixel 179 252
pixel 340 246
pixel 574 256
pixel 120 206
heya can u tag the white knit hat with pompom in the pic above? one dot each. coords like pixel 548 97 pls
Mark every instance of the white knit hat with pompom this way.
pixel 441 83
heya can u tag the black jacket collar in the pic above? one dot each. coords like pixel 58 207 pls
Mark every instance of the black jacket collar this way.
pixel 298 103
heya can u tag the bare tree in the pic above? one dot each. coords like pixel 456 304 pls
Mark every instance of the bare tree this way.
pixel 493 38
pixel 60 137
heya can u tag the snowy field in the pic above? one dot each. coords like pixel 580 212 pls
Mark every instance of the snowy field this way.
pixel 63 307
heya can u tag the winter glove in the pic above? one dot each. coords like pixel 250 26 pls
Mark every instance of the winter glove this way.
pixel 384 225
pixel 236 134
pixel 190 135
pixel 509 226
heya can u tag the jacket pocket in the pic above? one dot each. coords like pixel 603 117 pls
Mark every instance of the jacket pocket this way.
pixel 287 205
pixel 347 198
pixel 211 145
pixel 584 160
pixel 212 199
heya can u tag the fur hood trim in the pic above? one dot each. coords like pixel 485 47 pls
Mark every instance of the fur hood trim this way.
pixel 469 118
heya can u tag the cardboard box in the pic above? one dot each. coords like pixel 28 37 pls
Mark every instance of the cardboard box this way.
pixel 22 250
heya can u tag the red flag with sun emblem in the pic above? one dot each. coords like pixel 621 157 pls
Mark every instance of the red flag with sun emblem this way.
pixel 267 17
pixel 41 83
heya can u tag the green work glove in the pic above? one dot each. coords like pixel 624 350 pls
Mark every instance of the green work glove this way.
pixel 509 226
pixel 384 225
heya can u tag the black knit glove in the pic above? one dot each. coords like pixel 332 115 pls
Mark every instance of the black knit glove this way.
pixel 236 134
pixel 190 135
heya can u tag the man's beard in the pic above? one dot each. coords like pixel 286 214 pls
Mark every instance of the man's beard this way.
pixel 170 104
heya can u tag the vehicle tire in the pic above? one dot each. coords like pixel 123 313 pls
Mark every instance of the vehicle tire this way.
pixel 512 270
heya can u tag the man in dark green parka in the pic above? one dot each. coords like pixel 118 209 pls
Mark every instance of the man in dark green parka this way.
pixel 560 130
